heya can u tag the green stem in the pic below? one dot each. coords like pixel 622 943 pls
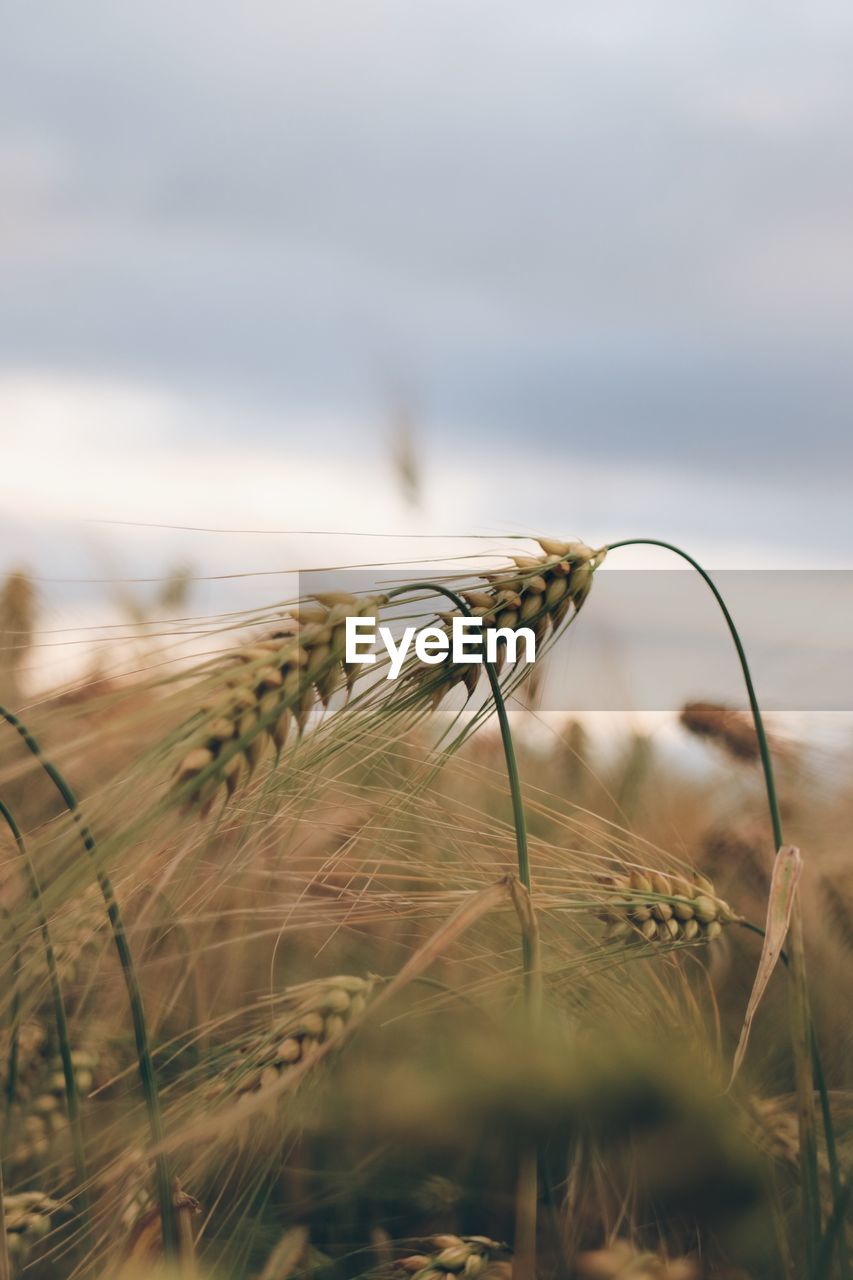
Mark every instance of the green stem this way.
pixel 834 1231
pixel 838 1188
pixel 143 1048
pixel 763 745
pixel 14 1033
pixel 527 1188
pixel 801 1023
pixel 11 1081
pixel 522 854
pixel 188 975
pixel 72 1097
pixel 5 1266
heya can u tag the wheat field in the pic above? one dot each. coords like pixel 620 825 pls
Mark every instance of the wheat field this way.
pixel 306 973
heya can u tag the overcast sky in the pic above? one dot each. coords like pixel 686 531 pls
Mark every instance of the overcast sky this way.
pixel 603 250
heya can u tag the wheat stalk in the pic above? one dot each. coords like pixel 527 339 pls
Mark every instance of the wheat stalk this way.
pixel 805 1048
pixel 143 1248
pixel 67 1075
pixel 143 1048
pixel 273 684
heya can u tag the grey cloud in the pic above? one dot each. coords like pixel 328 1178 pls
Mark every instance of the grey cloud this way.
pixel 605 226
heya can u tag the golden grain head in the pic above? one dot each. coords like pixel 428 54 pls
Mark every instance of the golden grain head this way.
pixel 537 592
pixel 274 683
pixel 663 908
pixel 271 688
pixel 455 1256
pixel 309 1015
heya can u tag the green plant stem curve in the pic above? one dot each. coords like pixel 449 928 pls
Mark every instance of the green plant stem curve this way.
pixel 522 853
pixel 11 1076
pixel 72 1096
pixel 527 1189
pixel 838 1186
pixel 134 993
pixel 802 1032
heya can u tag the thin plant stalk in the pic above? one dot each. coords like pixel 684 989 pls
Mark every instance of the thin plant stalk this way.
pixel 527 1188
pixel 474 908
pixel 840 1191
pixel 72 1097
pixel 11 1078
pixel 838 1187
pixel 5 1268
pixel 834 1229
pixel 14 1036
pixel 519 823
pixel 134 993
pixel 801 1023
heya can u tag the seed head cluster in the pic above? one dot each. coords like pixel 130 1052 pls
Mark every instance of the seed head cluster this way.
pixel 273 684
pixel 538 592
pixel 315 1013
pixel 37 1116
pixel 29 1217
pixel 451 1256
pixel 660 908
pixel 271 687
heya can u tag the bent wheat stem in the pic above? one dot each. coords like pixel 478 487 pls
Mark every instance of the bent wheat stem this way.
pixel 802 1032
pixel 472 909
pixel 11 1076
pixel 527 1189
pixel 838 1187
pixel 519 822
pixel 523 857
pixel 5 1267
pixel 72 1097
pixel 834 1230
pixel 134 993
